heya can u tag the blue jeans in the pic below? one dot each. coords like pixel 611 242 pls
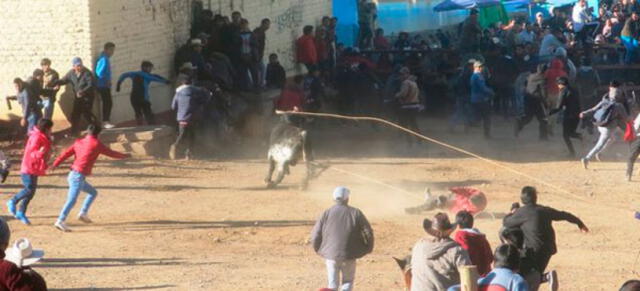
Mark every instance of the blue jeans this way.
pixel 47 108
pixel 30 183
pixel 32 121
pixel 345 267
pixel 77 183
pixel 606 133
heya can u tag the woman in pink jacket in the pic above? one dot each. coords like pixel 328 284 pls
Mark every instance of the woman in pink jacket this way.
pixel 34 164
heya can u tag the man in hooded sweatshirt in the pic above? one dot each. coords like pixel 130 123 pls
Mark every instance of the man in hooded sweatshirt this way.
pixel 474 242
pixel 612 107
pixel 435 258
pixel 341 235
pixel 34 164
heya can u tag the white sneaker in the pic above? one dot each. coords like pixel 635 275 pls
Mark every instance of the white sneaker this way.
pixel 62 226
pixel 108 125
pixel 84 218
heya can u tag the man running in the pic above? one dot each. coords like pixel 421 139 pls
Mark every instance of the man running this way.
pixel 86 151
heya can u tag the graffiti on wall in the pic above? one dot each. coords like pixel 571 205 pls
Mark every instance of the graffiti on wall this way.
pixel 290 18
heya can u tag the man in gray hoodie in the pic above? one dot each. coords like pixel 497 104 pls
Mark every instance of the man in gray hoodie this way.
pixel 341 235
pixel 608 115
pixel 435 259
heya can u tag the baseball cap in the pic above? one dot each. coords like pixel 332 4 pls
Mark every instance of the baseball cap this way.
pixel 341 193
pixel 77 61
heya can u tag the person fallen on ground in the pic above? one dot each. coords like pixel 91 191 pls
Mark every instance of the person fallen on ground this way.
pixel 536 223
pixel 608 115
pixel 474 242
pixel 276 76
pixel 82 86
pixel 11 276
pixel 23 255
pixel 37 151
pixel 188 103
pixel 459 199
pixel 535 103
pixel 515 237
pixel 29 102
pixel 140 97
pixel 504 275
pixel 435 258
pixel 341 235
pixel 86 151
pixel 569 101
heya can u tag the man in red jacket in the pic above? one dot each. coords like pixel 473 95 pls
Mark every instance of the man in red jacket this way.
pixel 86 151
pixel 34 164
pixel 306 48
pixel 474 242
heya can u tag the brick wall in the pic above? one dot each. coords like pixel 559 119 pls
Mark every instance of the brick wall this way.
pixel 287 19
pixel 34 29
pixel 141 30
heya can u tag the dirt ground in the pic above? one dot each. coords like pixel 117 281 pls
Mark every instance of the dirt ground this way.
pixel 211 225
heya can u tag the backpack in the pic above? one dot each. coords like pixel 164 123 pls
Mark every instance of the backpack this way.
pixel 604 115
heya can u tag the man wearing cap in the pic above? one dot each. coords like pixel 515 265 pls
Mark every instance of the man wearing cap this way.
pixel 409 103
pixel 435 258
pixel 471 33
pixel 481 96
pixel 103 76
pixel 81 80
pixel 341 235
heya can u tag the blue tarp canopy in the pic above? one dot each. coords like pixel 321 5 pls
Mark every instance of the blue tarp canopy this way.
pixel 449 5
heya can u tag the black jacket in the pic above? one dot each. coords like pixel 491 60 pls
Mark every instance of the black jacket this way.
pixel 82 85
pixel 535 222
pixel 570 102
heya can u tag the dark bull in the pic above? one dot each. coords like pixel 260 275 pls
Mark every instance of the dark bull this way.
pixel 287 145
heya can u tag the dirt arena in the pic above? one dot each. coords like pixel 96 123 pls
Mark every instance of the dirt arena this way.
pixel 211 225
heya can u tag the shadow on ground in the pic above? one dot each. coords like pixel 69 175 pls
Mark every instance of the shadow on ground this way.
pixel 182 225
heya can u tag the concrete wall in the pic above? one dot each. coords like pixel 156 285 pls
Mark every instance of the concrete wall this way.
pixel 287 18
pixel 60 32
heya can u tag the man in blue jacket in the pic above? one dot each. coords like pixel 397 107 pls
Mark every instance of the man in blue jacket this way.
pixel 103 77
pixel 188 103
pixel 140 99
pixel 481 97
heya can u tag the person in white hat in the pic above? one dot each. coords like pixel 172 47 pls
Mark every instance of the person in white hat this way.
pixel 12 276
pixel 23 254
pixel 341 235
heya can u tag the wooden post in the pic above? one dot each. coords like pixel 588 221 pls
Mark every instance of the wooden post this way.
pixel 468 278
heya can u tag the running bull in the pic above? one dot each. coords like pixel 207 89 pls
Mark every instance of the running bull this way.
pixel 287 145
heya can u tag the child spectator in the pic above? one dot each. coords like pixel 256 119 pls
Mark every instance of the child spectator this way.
pixel 276 76
pixel 140 99
pixel 474 242
pixel 187 103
